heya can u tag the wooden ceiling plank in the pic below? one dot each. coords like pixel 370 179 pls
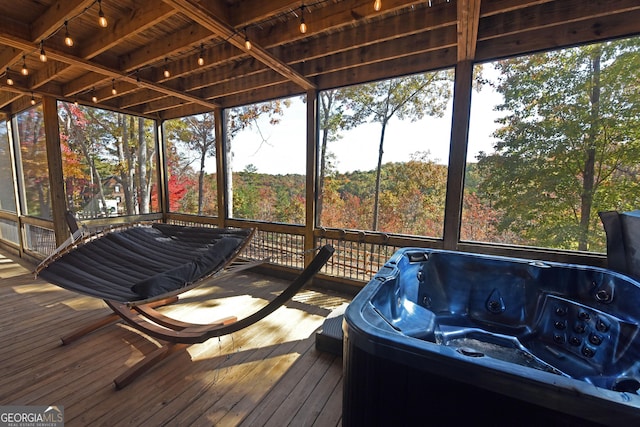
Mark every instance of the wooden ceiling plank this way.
pixel 159 49
pixel 550 15
pixel 395 27
pixel 205 18
pixel 146 15
pixel 591 30
pixel 139 97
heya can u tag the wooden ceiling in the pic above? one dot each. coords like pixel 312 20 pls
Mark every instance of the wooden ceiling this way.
pixel 346 42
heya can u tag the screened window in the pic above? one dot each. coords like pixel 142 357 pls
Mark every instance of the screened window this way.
pixel 33 163
pixel 383 154
pixel 109 162
pixel 191 164
pixel 563 145
pixel 7 191
pixel 266 156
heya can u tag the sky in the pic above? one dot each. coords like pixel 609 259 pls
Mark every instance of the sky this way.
pixel 283 148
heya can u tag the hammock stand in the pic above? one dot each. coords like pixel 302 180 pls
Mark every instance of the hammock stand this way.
pixel 158 251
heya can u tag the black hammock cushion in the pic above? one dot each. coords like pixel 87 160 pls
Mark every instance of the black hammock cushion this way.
pixel 142 262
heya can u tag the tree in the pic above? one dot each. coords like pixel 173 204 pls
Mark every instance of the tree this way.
pixel 115 148
pixel 247 117
pixel 198 134
pixel 568 146
pixel 332 120
pixel 405 98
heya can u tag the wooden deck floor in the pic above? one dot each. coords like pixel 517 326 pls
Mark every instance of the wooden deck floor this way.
pixel 268 374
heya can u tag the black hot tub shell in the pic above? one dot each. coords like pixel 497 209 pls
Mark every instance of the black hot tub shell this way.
pixel 451 338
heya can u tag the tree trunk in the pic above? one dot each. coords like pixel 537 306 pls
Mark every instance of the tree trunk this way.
pixel 376 201
pixel 590 157
pixel 142 169
pixel 326 101
pixel 203 157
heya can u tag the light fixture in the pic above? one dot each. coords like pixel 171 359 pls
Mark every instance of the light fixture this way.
pixel 9 79
pixel 33 100
pixel 377 5
pixel 201 56
pixel 43 55
pixel 67 38
pixel 113 87
pixel 166 72
pixel 75 102
pixel 24 71
pixel 303 25
pixel 102 21
pixel 94 98
pixel 247 43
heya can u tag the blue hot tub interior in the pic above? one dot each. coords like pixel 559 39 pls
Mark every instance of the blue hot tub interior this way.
pixel 574 321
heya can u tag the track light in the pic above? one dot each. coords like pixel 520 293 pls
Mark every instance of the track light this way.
pixel 102 21
pixel 43 55
pixel 303 25
pixel 166 73
pixel 377 5
pixel 201 57
pixel 24 71
pixel 247 43
pixel 113 87
pixel 67 38
pixel 9 79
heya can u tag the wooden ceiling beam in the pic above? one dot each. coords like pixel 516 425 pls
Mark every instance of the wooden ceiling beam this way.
pixel 468 19
pixel 95 67
pixel 205 18
pixel 8 56
pixel 55 17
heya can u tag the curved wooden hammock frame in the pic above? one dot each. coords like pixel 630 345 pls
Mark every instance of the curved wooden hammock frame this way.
pixel 178 335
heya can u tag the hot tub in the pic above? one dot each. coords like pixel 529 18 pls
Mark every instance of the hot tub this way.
pixel 446 338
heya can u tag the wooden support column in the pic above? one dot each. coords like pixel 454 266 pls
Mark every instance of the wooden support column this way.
pixel 312 167
pixel 163 175
pixel 457 153
pixel 54 160
pixel 221 162
pixel 467 33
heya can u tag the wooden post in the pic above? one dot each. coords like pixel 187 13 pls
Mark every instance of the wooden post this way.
pixel 54 160
pixel 312 166
pixel 163 175
pixel 457 154
pixel 221 169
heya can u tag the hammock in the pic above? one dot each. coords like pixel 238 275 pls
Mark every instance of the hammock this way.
pixel 143 263
pixel 137 268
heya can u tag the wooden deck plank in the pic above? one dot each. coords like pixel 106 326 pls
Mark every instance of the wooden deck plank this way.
pixel 309 411
pixel 242 379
